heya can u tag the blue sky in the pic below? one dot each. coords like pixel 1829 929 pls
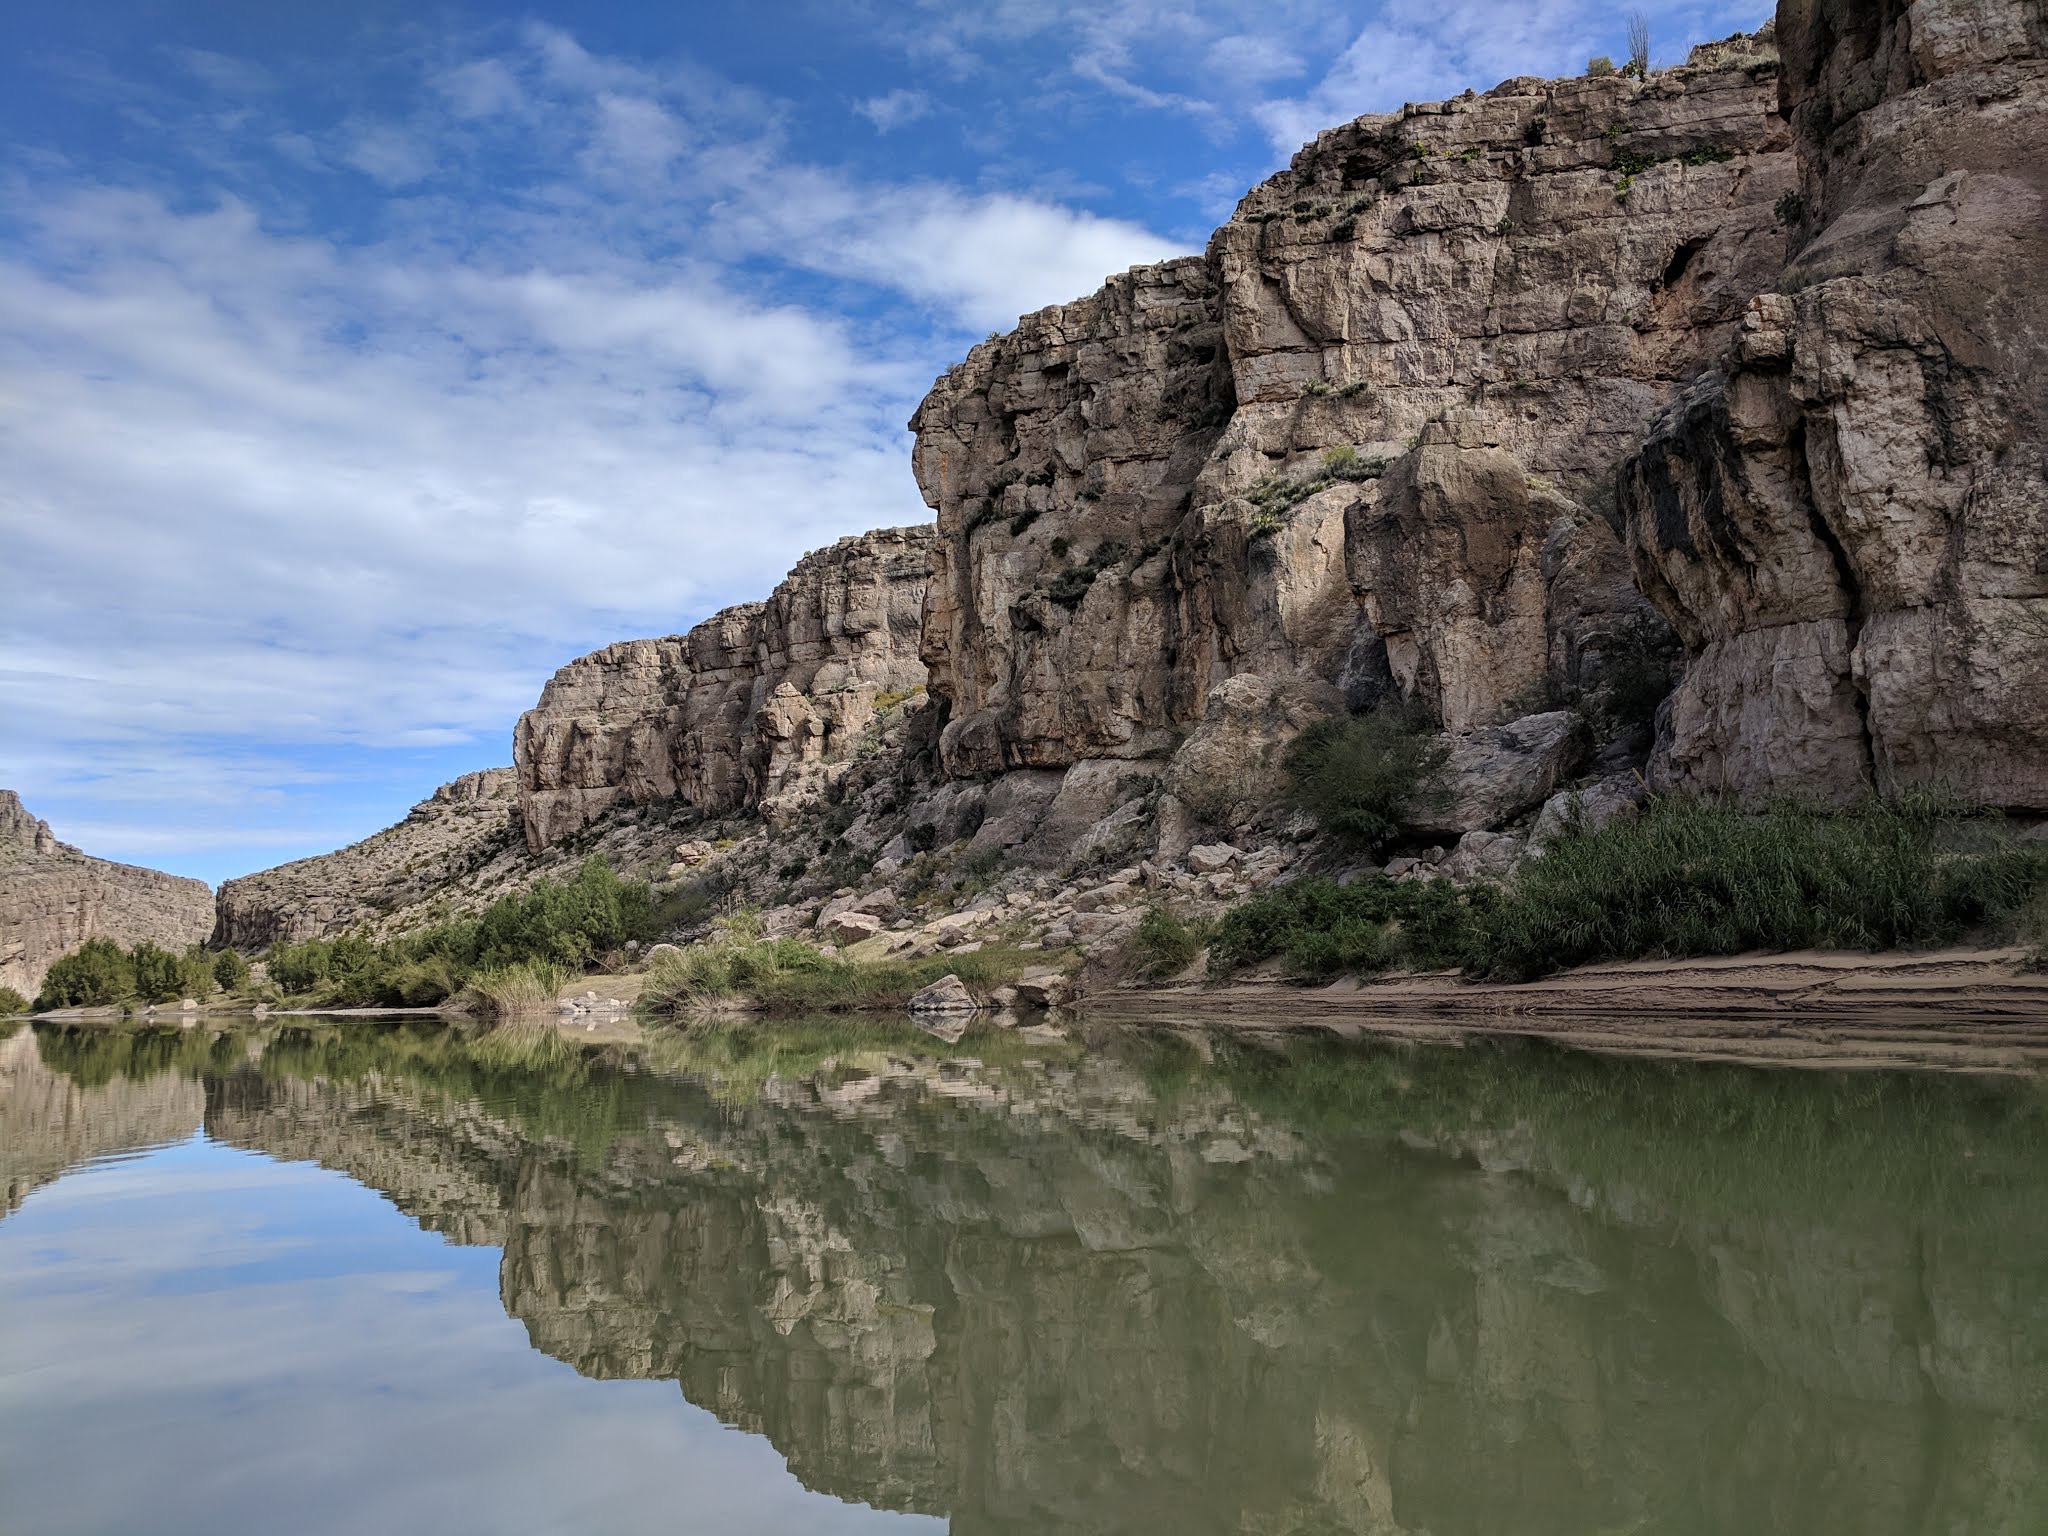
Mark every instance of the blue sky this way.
pixel 360 364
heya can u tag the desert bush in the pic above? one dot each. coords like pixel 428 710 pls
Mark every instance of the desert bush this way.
pixel 95 975
pixel 1600 64
pixel 11 1003
pixel 1167 944
pixel 1360 777
pixel 789 976
pixel 230 971
pixel 1683 877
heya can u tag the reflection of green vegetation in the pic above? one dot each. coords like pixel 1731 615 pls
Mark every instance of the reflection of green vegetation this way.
pixel 94 1055
pixel 1693 1139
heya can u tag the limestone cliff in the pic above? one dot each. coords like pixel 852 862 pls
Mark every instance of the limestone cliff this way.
pixel 452 832
pixel 1370 436
pixel 53 898
pixel 734 712
pixel 1847 519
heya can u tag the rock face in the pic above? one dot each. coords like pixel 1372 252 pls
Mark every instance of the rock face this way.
pixel 53 898
pixel 736 711
pixel 1847 520
pixel 451 832
pixel 1368 439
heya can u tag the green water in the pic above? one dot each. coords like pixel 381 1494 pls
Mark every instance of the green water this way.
pixel 380 1277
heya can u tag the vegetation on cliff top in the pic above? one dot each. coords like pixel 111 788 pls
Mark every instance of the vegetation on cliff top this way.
pixel 1685 877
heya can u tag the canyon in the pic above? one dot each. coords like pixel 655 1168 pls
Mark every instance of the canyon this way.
pixel 1669 433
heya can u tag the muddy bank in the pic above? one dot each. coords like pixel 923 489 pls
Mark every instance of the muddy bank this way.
pixel 1957 1009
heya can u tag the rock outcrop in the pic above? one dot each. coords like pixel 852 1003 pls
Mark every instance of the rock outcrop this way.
pixel 454 831
pixel 1368 440
pixel 741 708
pixel 53 898
pixel 1847 520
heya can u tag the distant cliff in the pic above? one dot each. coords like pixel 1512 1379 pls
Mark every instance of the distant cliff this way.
pixel 53 898
pixel 733 712
pixel 451 833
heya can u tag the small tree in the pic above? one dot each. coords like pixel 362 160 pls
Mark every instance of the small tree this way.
pixel 1361 778
pixel 1639 45
pixel 11 1003
pixel 93 975
pixel 230 970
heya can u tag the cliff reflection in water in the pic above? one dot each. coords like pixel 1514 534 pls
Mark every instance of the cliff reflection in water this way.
pixel 1195 1285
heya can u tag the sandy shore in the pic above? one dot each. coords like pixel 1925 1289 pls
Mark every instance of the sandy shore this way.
pixel 1969 1010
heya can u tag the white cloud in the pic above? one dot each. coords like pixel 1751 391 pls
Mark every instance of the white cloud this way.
pixel 894 109
pixel 387 153
pixel 481 88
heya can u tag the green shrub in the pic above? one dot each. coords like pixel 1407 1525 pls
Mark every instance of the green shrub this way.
pixel 1599 64
pixel 97 974
pixel 230 971
pixel 1321 928
pixel 790 976
pixel 11 1003
pixel 1361 777
pixel 1167 944
pixel 1683 877
pixel 1696 877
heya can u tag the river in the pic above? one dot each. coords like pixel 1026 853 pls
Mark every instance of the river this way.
pixel 400 1276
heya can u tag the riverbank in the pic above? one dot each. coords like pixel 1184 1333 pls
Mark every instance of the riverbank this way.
pixel 1961 1009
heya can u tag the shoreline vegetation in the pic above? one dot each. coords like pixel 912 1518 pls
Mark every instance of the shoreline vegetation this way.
pixel 1679 880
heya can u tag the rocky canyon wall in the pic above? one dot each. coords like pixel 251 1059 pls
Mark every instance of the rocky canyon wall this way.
pixel 53 898
pixel 1847 519
pixel 732 713
pixel 1368 439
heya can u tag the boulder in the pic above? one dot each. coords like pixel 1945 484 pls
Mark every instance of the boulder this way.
pixel 1587 808
pixel 948 994
pixel 1482 856
pixel 851 927
pixel 1212 858
pixel 1504 771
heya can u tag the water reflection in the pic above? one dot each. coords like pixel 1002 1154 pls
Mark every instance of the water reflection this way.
pixel 1183 1284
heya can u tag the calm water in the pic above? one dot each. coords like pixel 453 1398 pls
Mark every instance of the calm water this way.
pixel 381 1278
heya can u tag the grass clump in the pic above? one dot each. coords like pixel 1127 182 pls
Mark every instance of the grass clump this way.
pixel 1361 777
pixel 526 986
pixel 1698 877
pixel 1166 944
pixel 789 976
pixel 1685 877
